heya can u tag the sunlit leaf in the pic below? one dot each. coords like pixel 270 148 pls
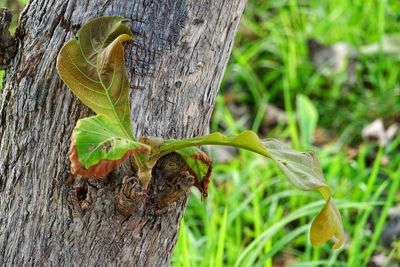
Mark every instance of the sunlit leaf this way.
pixel 302 169
pixel 99 145
pixel 93 67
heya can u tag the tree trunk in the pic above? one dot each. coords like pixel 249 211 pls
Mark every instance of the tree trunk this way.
pixel 175 66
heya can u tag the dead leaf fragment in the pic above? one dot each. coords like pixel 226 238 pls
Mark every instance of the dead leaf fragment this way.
pixel 375 131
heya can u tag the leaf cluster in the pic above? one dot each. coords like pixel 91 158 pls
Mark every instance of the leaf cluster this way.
pixel 92 66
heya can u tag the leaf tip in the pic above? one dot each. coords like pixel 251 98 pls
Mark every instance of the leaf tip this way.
pixel 327 225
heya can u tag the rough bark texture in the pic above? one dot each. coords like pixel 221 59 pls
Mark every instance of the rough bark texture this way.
pixel 175 65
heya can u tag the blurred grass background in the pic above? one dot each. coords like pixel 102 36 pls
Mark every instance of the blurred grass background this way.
pixel 288 79
pixel 252 216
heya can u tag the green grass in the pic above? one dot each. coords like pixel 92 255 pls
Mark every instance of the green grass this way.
pixel 263 223
pixel 252 214
pixel 1 79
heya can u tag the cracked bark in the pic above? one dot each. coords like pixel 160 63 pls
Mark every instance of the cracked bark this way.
pixel 175 66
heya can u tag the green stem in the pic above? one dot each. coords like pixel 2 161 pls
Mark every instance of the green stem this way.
pixel 212 139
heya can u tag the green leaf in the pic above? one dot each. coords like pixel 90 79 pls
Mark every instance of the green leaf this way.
pixel 199 165
pixel 308 117
pixel 302 169
pixel 93 67
pixel 99 145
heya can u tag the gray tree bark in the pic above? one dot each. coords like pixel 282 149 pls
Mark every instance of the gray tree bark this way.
pixel 175 66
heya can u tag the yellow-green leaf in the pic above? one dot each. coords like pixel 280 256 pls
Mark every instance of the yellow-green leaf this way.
pixel 93 67
pixel 327 224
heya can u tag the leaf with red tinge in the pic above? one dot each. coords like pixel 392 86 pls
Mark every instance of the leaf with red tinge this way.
pixel 100 169
pixel 199 165
pixel 98 146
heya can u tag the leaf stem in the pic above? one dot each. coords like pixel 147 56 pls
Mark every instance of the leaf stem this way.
pixel 246 140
